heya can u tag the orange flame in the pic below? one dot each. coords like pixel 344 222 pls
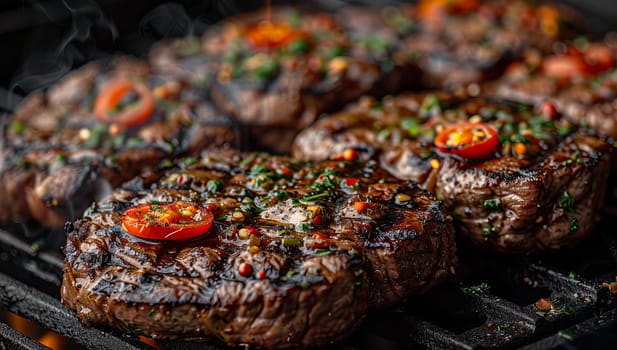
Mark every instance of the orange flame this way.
pixel 34 331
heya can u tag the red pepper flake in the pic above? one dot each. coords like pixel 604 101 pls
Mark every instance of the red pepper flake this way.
pixel 361 206
pixel 213 208
pixel 349 154
pixel 181 179
pixel 150 341
pixel 544 304
pixel 245 269
pixel 320 241
pixel 548 110
pixel 490 325
pixel 252 231
pixel 317 219
pixel 285 171
pixel 351 181
pixel 261 274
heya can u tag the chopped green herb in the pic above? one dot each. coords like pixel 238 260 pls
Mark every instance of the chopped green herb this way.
pixel 519 139
pixel 563 131
pixel 151 312
pixel 481 288
pixel 246 161
pixel 298 46
pixel 302 227
pixel 135 142
pixel 430 102
pixel 294 18
pixel 291 242
pixel 564 335
pixel 214 186
pixel 335 52
pixel 411 125
pixel 566 201
pixel 17 127
pixel 134 329
pixel 189 161
pixel 573 226
pixel 36 245
pixel 267 70
pixel 323 253
pixel 258 169
pixel 280 194
pixel 491 204
pixel 315 196
pixel 96 136
pixel 61 158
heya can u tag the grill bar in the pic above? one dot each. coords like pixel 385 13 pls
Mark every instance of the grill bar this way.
pixel 11 339
pixel 39 307
pixel 490 304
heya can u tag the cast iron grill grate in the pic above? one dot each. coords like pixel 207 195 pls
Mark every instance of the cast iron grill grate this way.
pixel 490 304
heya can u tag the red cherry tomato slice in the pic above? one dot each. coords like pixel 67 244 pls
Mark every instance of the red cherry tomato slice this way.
pixel 468 140
pixel 434 10
pixel 131 115
pixel 168 221
pixel 597 58
pixel 269 35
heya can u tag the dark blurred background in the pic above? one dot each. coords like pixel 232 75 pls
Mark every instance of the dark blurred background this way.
pixel 42 40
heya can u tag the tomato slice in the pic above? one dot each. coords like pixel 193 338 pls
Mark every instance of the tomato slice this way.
pixel 468 140
pixel 270 35
pixel 111 95
pixel 168 221
pixel 595 59
pixel 434 10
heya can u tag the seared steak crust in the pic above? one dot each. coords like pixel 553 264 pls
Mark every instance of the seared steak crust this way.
pixel 318 260
pixel 60 155
pixel 585 95
pixel 539 190
pixel 279 90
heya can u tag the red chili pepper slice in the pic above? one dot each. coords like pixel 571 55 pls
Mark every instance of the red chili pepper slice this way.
pixel 320 241
pixel 168 221
pixel 112 94
pixel 468 140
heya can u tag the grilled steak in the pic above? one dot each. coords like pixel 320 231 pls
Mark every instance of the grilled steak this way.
pixel 322 241
pixel 278 76
pixel 515 179
pixel 459 42
pixel 58 151
pixel 580 83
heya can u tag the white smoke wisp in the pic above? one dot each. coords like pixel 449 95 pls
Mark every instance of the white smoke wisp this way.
pixel 50 55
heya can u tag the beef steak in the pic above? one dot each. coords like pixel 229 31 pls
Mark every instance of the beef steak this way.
pixel 324 242
pixel 58 155
pixel 537 187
